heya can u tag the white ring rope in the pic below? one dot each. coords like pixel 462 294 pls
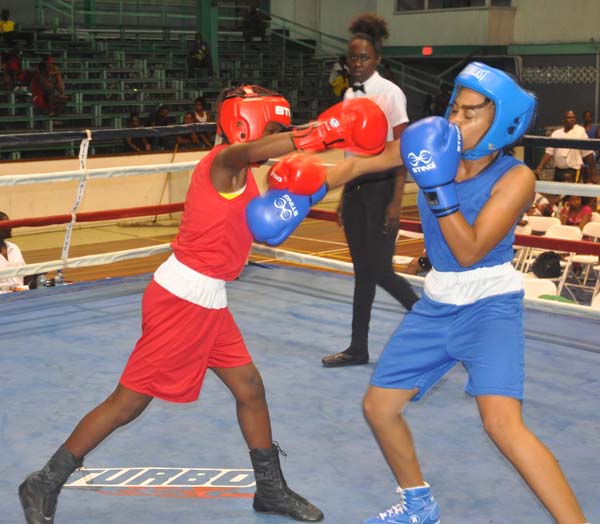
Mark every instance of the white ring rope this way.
pixel 84 174
pixel 542 186
pixel 88 260
pixel 532 303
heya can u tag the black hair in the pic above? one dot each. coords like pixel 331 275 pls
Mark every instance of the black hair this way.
pixel 370 27
pixel 3 216
pixel 200 99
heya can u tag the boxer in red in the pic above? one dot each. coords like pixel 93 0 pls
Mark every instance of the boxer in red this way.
pixel 186 325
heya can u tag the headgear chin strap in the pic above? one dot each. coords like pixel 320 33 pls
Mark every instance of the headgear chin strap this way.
pixel 245 112
pixel 514 107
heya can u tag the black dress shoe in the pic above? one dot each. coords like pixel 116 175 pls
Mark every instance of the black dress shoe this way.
pixel 345 359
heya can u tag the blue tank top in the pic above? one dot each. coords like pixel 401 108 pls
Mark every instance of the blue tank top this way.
pixel 472 195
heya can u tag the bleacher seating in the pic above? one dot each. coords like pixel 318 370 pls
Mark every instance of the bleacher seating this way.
pixel 109 74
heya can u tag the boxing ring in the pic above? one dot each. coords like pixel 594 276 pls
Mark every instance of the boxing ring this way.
pixel 63 349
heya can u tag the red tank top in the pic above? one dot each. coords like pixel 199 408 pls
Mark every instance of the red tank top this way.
pixel 214 238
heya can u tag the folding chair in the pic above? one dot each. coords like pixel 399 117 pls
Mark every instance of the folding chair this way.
pixel 535 287
pixel 521 252
pixel 596 300
pixel 539 224
pixel 587 262
pixel 565 233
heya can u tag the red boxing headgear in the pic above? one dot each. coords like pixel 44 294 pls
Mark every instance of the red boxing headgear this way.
pixel 245 112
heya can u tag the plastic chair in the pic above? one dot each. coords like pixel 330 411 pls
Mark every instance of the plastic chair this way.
pixel 587 262
pixel 565 233
pixel 595 217
pixel 541 224
pixel 521 252
pixel 535 287
pixel 596 300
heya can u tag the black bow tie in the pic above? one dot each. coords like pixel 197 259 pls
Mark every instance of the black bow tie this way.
pixel 358 87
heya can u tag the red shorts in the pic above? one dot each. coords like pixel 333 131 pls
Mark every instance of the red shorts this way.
pixel 179 341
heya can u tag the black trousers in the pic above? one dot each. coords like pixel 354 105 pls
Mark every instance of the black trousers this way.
pixel 372 249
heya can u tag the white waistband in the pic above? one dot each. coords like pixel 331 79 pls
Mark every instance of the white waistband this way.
pixel 187 284
pixel 465 287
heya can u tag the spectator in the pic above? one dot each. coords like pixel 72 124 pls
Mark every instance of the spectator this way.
pixel 339 77
pixel 255 23
pixel 6 24
pixel 588 124
pixel 188 141
pixel 10 256
pixel 199 59
pixel 574 212
pixel 441 100
pixel 11 67
pixel 593 132
pixel 201 116
pixel 157 118
pixel 46 88
pixel 418 265
pixel 568 162
pixel 540 206
pixel 137 144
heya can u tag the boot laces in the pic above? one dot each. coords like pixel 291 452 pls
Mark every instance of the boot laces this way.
pixel 396 509
pixel 278 448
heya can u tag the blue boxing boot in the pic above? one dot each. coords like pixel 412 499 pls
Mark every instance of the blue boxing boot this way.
pixel 416 506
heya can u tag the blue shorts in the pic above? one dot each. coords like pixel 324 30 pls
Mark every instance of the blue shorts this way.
pixel 486 336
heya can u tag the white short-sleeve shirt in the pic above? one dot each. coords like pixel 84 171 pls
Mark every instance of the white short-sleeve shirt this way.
pixel 388 96
pixel 568 158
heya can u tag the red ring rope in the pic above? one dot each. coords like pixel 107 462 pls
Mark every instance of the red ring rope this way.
pixel 581 247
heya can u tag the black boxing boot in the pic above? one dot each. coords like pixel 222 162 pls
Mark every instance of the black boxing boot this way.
pixel 39 491
pixel 272 492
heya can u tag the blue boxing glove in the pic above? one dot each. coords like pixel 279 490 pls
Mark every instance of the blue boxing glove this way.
pixel 274 216
pixel 431 149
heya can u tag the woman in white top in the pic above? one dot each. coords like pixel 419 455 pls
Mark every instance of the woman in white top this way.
pixel 201 117
pixel 370 206
pixel 10 256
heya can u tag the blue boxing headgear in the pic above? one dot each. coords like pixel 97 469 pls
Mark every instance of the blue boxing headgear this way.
pixel 514 106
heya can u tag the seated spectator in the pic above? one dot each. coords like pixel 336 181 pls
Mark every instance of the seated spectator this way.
pixel 47 90
pixel 199 60
pixel 11 67
pixel 418 265
pixel 10 256
pixel 255 23
pixel 188 141
pixel 157 118
pixel 540 206
pixel 574 212
pixel 137 144
pixel 201 116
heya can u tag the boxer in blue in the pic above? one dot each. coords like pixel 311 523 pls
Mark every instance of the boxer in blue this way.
pixel 471 197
